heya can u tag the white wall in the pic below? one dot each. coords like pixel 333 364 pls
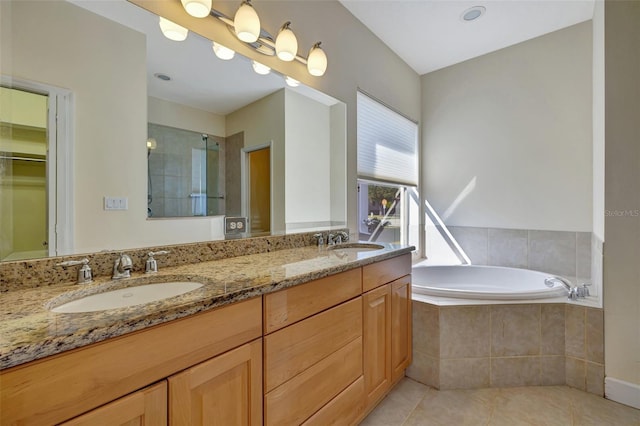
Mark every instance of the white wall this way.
pixel 308 155
pixel 262 122
pixel 507 137
pixel 622 198
pixel 172 114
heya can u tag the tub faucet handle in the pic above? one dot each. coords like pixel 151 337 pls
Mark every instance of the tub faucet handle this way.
pixel 583 290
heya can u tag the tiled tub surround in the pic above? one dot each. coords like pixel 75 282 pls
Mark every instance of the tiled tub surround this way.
pixel 29 331
pixel 556 252
pixel 466 347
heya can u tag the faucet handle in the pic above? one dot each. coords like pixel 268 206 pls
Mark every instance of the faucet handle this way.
pixel 151 265
pixel 319 238
pixel 84 273
pixel 583 290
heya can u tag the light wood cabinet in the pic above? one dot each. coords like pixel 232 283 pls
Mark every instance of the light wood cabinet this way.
pixel 146 407
pixel 387 326
pixel 320 353
pixel 225 390
pixel 63 386
pixel 377 343
pixel 401 327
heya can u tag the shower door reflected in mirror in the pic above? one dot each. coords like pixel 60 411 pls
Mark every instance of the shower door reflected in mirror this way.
pixel 185 173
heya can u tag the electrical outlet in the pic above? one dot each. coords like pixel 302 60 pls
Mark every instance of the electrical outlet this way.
pixel 235 225
pixel 116 203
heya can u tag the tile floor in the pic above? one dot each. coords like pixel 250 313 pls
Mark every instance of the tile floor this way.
pixel 412 403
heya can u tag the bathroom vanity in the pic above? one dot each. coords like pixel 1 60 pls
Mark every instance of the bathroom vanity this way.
pixel 316 337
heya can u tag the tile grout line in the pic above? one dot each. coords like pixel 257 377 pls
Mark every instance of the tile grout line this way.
pixel 406 419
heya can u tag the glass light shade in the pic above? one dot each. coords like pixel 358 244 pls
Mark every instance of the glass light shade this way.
pixel 173 31
pixel 151 143
pixel 317 61
pixel 197 8
pixel 246 23
pixel 286 44
pixel 292 82
pixel 223 52
pixel 260 68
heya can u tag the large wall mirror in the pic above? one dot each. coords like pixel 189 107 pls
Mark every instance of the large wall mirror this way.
pixel 156 140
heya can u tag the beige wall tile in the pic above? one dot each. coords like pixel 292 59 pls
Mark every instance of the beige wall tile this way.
pixel 425 369
pixel 467 373
pixel 426 329
pixel 575 371
pixel 464 332
pixel 552 325
pixel 575 331
pixel 517 371
pixel 515 330
pixel 552 370
pixel 595 335
pixel 595 378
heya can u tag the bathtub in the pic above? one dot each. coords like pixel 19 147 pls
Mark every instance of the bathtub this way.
pixel 483 284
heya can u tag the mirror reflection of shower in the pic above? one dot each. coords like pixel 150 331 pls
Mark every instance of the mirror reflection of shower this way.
pixel 185 173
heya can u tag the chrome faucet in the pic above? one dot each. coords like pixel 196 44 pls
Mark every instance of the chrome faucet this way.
pixel 85 275
pixel 122 267
pixel 574 292
pixel 337 238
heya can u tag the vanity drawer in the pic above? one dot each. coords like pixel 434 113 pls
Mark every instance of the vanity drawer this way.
pixel 291 305
pixel 299 398
pixel 385 271
pixel 345 409
pixel 292 350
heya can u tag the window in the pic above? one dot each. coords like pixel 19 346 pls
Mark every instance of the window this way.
pixel 387 174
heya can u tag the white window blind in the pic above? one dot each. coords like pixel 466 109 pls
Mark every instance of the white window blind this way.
pixel 387 144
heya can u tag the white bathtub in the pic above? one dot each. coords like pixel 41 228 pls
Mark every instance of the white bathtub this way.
pixel 483 283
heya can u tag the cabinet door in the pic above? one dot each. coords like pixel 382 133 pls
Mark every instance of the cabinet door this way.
pixel 400 326
pixel 225 390
pixel 146 407
pixel 377 343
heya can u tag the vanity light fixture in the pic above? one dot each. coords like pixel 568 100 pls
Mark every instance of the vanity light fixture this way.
pixel 151 144
pixel 246 23
pixel 260 68
pixel 223 52
pixel 246 26
pixel 197 8
pixel 317 61
pixel 286 43
pixel 173 31
pixel 291 82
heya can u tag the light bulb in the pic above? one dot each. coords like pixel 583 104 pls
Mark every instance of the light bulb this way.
pixel 151 143
pixel 246 23
pixel 173 31
pixel 317 61
pixel 260 69
pixel 292 82
pixel 223 52
pixel 197 8
pixel 286 43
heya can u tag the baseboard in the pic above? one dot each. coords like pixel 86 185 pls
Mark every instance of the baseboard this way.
pixel 623 392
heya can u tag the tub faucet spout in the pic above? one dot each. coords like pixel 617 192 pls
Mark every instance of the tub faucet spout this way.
pixel 574 292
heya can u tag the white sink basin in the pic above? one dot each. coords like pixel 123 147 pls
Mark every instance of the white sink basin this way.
pixel 356 247
pixel 125 297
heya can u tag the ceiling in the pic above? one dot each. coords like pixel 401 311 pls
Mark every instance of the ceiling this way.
pixel 430 34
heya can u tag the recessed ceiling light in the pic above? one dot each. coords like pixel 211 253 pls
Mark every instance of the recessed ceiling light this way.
pixel 473 13
pixel 162 77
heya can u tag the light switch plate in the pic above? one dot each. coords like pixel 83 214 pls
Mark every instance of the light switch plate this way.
pixel 235 225
pixel 116 203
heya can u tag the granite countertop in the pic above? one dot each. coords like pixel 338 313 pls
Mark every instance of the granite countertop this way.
pixel 30 331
